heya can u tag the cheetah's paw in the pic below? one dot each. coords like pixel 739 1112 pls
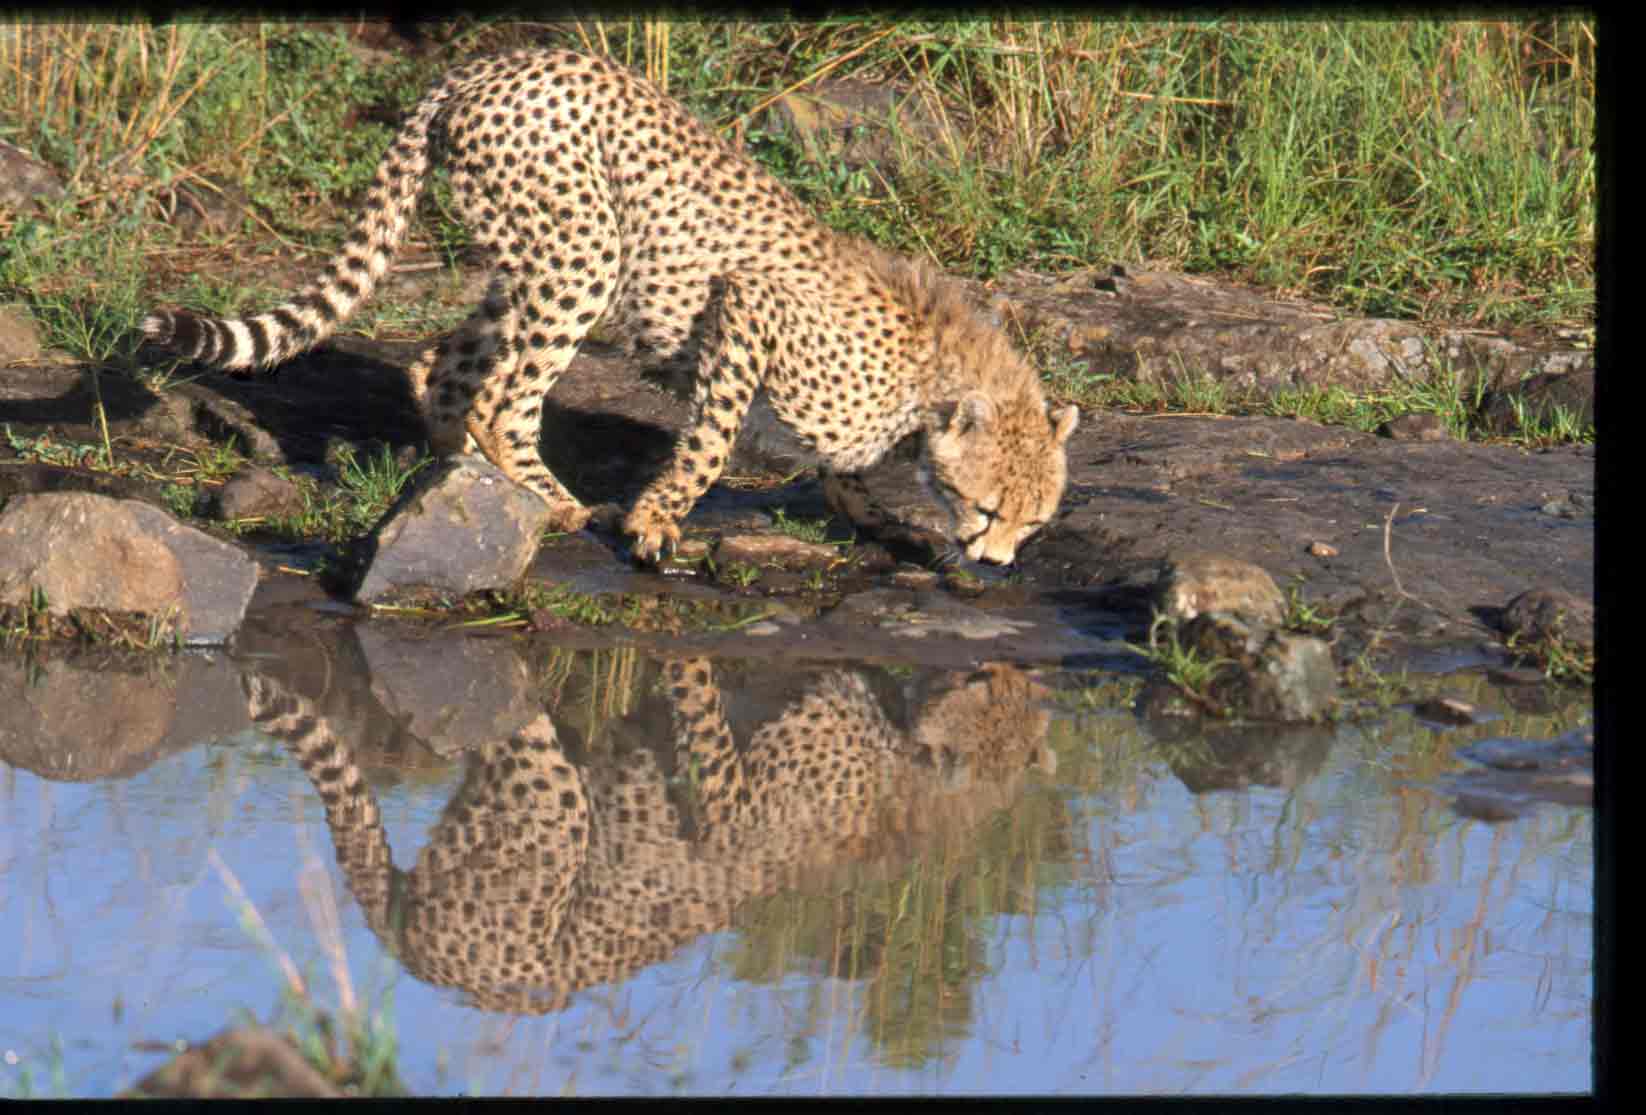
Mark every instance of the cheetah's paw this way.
pixel 654 533
pixel 568 517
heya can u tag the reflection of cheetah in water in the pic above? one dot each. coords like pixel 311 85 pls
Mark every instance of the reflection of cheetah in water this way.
pixel 598 196
pixel 544 877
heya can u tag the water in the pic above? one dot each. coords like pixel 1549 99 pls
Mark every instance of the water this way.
pixel 1046 909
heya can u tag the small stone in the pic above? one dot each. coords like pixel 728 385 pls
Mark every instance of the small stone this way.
pixel 1322 549
pixel 256 492
pixel 920 580
pixel 1515 676
pixel 1415 427
pixel 1199 583
pixel 1445 710
pixel 774 549
pixel 1543 613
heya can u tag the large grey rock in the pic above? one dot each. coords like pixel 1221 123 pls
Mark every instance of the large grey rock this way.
pixel 464 528
pixel 90 551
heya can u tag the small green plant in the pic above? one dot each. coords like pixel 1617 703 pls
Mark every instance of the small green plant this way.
pixel 180 499
pixel 1561 659
pixel 806 530
pixel 1303 616
pixel 740 573
pixel 64 454
pixel 215 462
pixel 1182 666
pixel 1383 690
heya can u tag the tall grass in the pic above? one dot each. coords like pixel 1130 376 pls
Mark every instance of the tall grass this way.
pixel 1417 169
pixel 1438 170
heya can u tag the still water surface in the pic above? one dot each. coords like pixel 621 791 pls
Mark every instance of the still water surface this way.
pixel 1021 893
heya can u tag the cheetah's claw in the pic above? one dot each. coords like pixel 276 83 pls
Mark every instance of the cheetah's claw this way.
pixel 655 534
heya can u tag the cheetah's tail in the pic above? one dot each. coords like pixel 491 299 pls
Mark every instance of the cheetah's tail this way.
pixel 311 315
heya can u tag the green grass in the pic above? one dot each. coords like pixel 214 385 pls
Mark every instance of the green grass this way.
pixel 1182 666
pixel 1442 171
pixel 367 484
pixel 1443 391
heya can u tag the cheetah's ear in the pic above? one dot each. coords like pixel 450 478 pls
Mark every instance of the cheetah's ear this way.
pixel 1064 422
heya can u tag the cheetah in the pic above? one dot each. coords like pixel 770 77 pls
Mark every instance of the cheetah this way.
pixel 599 198
pixel 547 875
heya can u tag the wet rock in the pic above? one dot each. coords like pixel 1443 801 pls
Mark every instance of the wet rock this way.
pixel 449 693
pixel 89 551
pixel 1519 774
pixel 937 614
pixel 1547 613
pixel 1267 674
pixel 246 1063
pixel 1446 710
pixel 1415 427
pixel 1198 583
pixel 923 580
pixel 779 550
pixel 462 527
pixel 874 606
pixel 1515 676
pixel 256 492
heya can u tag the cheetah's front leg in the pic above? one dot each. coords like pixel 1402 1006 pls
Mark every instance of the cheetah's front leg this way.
pixel 732 370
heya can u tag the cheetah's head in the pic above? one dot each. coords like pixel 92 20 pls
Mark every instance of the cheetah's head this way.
pixel 999 469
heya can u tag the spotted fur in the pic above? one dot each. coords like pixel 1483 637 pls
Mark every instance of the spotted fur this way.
pixel 600 198
pixel 545 876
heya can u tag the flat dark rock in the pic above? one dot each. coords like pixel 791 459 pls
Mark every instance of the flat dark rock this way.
pixel 1428 540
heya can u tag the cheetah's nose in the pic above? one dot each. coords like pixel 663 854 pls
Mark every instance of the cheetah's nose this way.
pixel 990 564
pixel 980 550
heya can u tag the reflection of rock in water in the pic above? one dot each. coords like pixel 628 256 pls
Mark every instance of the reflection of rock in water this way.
pixel 549 873
pixel 1249 755
pixel 97 715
